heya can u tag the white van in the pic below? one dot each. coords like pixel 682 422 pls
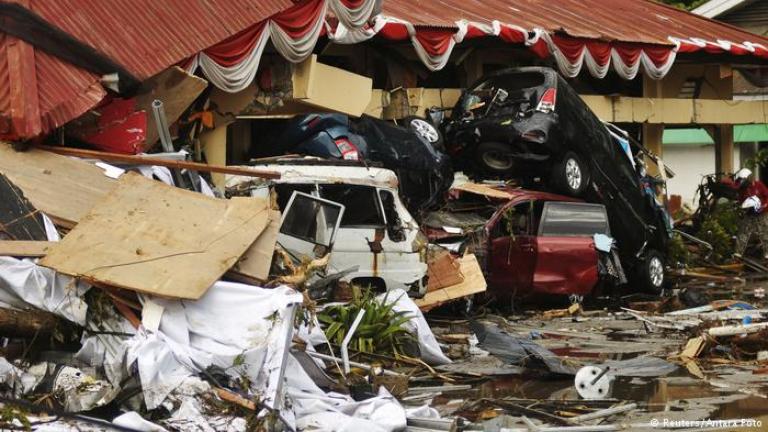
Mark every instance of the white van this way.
pixel 377 233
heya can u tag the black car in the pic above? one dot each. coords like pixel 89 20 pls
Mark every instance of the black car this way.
pixel 424 172
pixel 529 123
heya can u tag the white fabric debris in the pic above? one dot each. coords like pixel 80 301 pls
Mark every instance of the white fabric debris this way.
pixel 78 391
pixel 240 328
pixel 430 349
pixel 319 411
pixel 51 233
pixel 133 420
pixel 23 284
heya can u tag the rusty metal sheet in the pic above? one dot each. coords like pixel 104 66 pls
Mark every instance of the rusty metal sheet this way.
pixel 639 21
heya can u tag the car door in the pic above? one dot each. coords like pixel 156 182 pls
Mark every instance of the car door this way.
pixel 567 259
pixel 512 250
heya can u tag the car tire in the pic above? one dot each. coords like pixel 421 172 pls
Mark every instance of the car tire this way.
pixel 426 130
pixel 495 158
pixel 651 274
pixel 571 175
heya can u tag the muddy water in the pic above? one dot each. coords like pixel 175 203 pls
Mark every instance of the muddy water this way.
pixel 651 394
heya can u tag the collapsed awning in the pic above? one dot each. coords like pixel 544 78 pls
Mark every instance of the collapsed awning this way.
pixel 40 90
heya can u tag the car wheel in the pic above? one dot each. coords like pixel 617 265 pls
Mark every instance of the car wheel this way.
pixel 571 175
pixel 495 158
pixel 653 274
pixel 426 130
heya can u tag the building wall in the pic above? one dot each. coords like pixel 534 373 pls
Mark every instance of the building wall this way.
pixel 691 162
pixel 753 17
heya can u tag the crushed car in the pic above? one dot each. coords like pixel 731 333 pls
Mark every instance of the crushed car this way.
pixel 527 242
pixel 377 236
pixel 425 173
pixel 529 124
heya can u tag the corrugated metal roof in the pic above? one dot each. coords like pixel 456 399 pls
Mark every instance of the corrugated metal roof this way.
pixel 147 36
pixel 642 21
pixel 144 36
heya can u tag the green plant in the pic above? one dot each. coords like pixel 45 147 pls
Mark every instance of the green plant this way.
pixel 381 329
pixel 11 417
pixel 719 228
pixel 678 252
pixel 759 159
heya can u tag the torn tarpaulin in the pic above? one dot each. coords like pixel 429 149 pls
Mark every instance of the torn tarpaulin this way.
pixel 319 411
pixel 240 328
pixel 418 326
pixel 517 351
pixel 23 284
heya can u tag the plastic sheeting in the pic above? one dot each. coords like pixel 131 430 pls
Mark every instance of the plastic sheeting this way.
pixel 334 412
pixel 24 283
pixel 430 349
pixel 238 327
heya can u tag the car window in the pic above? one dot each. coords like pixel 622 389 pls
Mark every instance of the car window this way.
pixel 362 204
pixel 514 221
pixel 284 192
pixel 563 219
pixel 311 219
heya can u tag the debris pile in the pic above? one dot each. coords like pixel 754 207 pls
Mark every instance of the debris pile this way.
pixel 158 308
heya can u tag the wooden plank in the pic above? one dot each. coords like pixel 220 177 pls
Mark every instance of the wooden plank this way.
pixel 25 248
pixel 474 282
pixel 63 188
pixel 153 238
pixel 484 190
pixel 149 160
pixel 255 263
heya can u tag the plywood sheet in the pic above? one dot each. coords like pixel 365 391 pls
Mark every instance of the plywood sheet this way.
pixel 153 238
pixel 482 189
pixel 474 282
pixel 255 263
pixel 24 248
pixel 63 188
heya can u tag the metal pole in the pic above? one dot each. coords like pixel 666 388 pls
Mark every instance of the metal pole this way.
pixel 348 338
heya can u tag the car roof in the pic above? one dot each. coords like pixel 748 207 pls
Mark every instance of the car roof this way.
pixel 326 174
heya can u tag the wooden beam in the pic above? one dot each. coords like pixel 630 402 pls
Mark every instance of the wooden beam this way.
pixel 149 160
pixel 724 149
pixel 616 109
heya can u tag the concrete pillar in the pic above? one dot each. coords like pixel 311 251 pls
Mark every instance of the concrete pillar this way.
pixel 653 133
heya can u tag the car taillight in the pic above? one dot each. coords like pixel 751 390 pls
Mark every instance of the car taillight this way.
pixel 313 122
pixel 347 149
pixel 547 102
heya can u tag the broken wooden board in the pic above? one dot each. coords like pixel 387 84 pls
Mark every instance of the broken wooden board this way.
pixel 177 89
pixel 156 239
pixel 484 190
pixel 474 282
pixel 255 263
pixel 25 248
pixel 443 270
pixel 63 188
pixel 19 219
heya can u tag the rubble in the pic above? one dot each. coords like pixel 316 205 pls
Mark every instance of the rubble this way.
pixel 303 293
